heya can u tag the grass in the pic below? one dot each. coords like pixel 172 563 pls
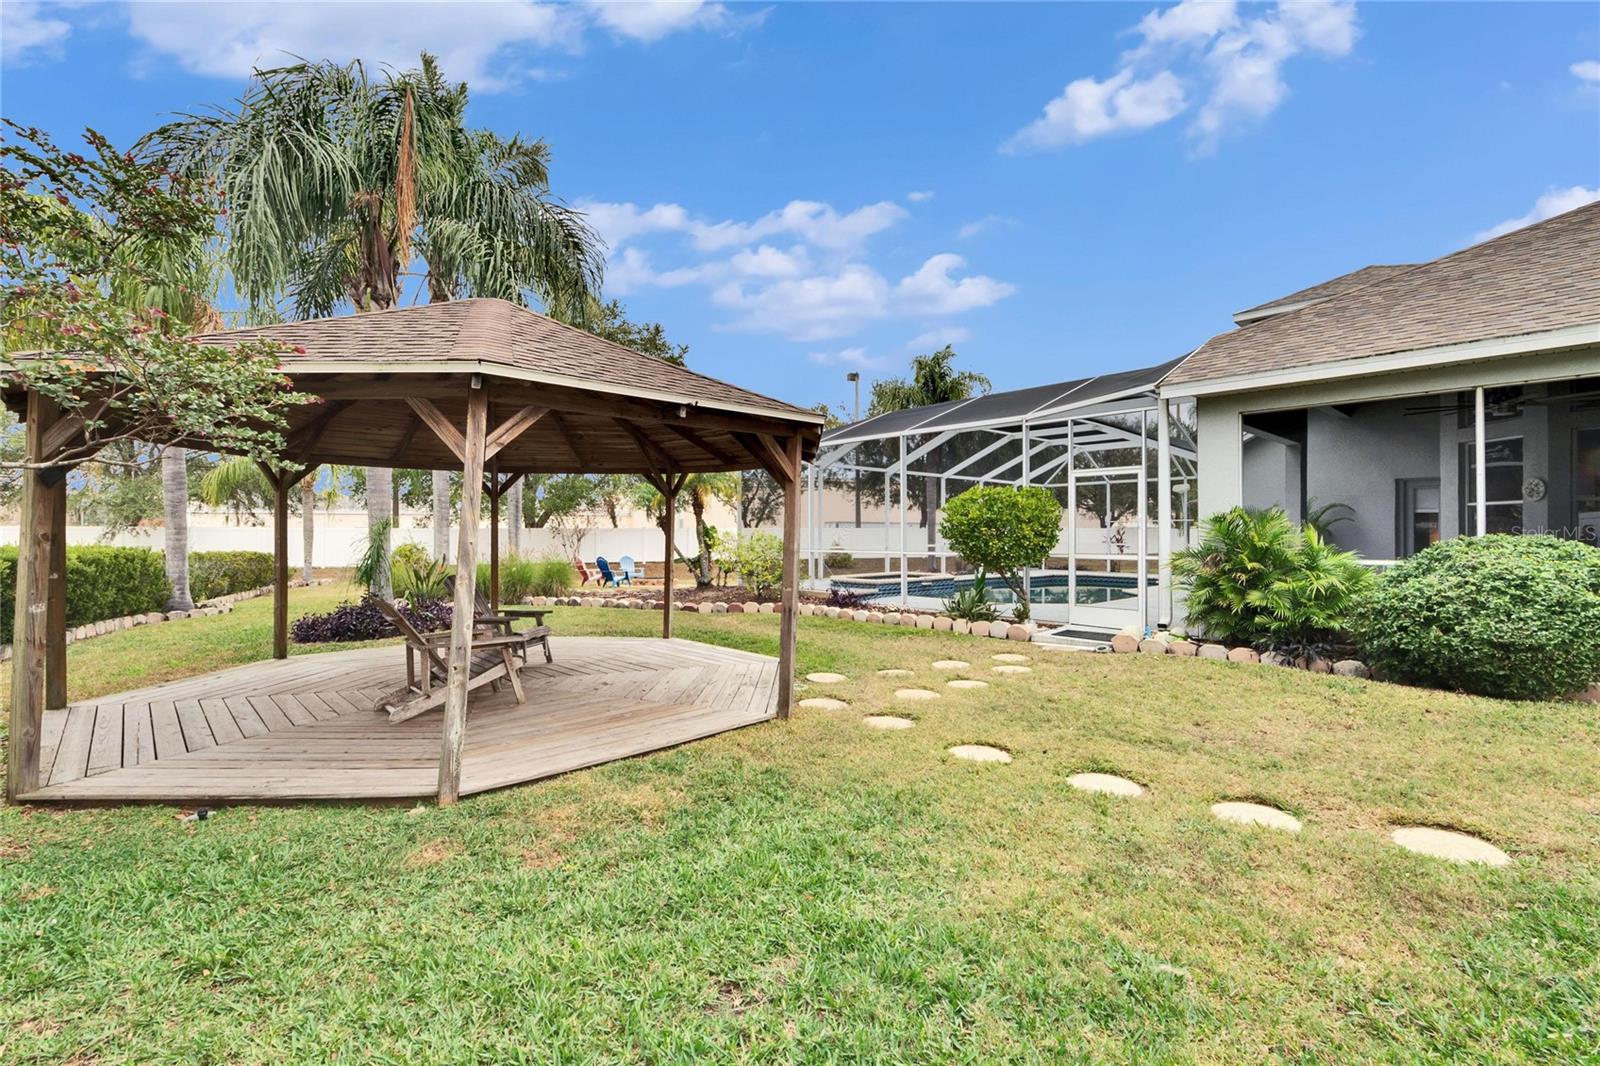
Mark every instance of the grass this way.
pixel 817 891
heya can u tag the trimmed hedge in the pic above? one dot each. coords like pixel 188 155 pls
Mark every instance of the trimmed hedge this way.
pixel 101 583
pixel 1509 616
pixel 213 574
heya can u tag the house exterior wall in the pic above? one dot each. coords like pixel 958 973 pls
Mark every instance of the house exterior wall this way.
pixel 1382 448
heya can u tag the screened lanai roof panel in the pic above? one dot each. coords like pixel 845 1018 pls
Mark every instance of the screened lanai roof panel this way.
pixel 1002 408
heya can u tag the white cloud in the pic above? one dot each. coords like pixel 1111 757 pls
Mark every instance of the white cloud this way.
pixel 1088 108
pixel 918 196
pixel 651 20
pixel 1587 70
pixel 476 41
pixel 985 224
pixel 855 358
pixel 932 340
pixel 813 308
pixel 1194 50
pixel 819 223
pixel 25 29
pixel 1555 202
pixel 1247 62
pixel 931 290
pixel 470 39
pixel 769 262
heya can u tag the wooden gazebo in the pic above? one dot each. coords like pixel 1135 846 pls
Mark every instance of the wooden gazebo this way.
pixel 483 386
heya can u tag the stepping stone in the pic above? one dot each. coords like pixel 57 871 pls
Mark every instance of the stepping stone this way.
pixel 1448 844
pixel 915 694
pixel 1012 668
pixel 1256 814
pixel 980 753
pixel 886 721
pixel 823 703
pixel 1009 657
pixel 951 664
pixel 1110 784
pixel 825 678
pixel 894 673
pixel 963 682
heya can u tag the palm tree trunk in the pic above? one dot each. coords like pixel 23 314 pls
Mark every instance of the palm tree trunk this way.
pixel 702 569
pixel 441 516
pixel 175 505
pixel 308 507
pixel 380 489
pixel 514 519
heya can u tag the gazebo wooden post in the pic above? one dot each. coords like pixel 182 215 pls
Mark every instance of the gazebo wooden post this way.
pixel 494 489
pixel 282 482
pixel 455 708
pixel 670 487
pixel 41 526
pixel 787 630
pixel 55 624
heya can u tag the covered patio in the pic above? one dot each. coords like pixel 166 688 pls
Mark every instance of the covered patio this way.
pixel 482 386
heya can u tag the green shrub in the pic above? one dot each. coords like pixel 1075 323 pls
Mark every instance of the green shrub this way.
pixel 1256 579
pixel 409 553
pixel 213 574
pixel 838 559
pixel 972 603
pixel 417 578
pixel 101 583
pixel 758 560
pixel 553 576
pixel 1003 531
pixel 1509 616
pixel 516 578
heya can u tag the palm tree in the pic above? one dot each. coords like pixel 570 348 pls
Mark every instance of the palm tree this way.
pixel 933 380
pixel 308 507
pixel 441 516
pixel 175 535
pixel 237 485
pixel 699 490
pixel 331 178
pixel 380 520
pixel 514 519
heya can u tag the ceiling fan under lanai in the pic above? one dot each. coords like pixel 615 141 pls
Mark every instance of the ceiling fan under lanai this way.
pixel 1508 402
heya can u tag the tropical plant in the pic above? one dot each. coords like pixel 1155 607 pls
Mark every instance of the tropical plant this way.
pixel 1308 607
pixel 758 560
pixel 308 507
pixel 1003 531
pixel 1255 579
pixel 418 580
pixel 237 486
pixel 1323 517
pixel 972 603
pixel 372 564
pixel 1516 617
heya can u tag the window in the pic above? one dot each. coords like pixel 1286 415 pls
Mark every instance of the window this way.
pixel 1586 483
pixel 1504 482
pixel 1418 515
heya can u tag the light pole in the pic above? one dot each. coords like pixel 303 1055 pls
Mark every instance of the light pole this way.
pixel 854 378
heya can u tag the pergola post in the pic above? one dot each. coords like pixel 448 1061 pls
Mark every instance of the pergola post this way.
pixel 494 489
pixel 455 708
pixel 41 526
pixel 670 486
pixel 55 624
pixel 791 575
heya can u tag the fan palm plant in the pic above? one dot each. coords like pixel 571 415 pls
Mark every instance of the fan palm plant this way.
pixel 1240 555
pixel 236 485
pixel 332 179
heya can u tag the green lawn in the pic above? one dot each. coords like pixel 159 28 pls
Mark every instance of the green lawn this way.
pixel 818 891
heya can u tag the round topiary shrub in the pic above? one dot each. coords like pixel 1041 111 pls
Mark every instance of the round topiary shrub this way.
pixel 1508 616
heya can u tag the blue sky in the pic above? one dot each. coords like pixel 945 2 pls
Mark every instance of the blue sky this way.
pixel 796 190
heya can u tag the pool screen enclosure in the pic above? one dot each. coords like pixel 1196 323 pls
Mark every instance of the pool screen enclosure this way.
pixel 1119 460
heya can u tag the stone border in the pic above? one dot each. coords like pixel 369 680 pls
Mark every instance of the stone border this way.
pixel 205 609
pixel 939 623
pixel 1163 644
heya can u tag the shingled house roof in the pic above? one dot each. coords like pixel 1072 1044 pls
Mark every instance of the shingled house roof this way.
pixel 1541 278
pixel 500 336
pixel 1321 291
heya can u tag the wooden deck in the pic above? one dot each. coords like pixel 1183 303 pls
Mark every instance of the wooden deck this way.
pixel 311 727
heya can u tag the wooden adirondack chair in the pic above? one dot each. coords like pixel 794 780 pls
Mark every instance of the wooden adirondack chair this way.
pixel 585 575
pixel 500 624
pixel 607 577
pixel 493 660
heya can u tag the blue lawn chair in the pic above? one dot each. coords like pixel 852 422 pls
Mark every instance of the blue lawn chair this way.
pixel 630 569
pixel 606 576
